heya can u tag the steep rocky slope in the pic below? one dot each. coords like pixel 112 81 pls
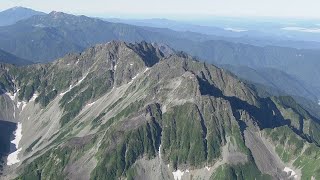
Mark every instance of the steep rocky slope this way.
pixel 130 111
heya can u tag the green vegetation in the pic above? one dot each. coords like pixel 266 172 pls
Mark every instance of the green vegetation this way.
pixel 91 88
pixel 73 108
pixel 51 164
pixel 239 172
pixel 96 122
pixel 26 92
pixel 299 118
pixel 5 83
pixel 182 138
pixel 45 99
pixel 132 108
pixel 289 102
pixel 48 166
pixel 115 104
pixel 117 161
pixel 291 147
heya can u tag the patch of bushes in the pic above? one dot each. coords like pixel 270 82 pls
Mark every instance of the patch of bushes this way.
pixel 133 145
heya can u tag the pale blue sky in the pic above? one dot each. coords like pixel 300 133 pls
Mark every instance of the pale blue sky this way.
pixel 175 8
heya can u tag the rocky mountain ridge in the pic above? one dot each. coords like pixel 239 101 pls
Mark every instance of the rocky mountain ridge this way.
pixel 121 110
pixel 43 38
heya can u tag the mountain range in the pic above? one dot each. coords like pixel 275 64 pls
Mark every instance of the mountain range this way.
pixel 108 100
pixel 76 34
pixel 121 110
pixel 47 37
pixel 259 32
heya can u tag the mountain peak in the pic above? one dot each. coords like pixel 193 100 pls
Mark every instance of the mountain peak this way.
pixel 146 52
pixel 57 14
pixel 15 14
pixel 21 9
pixel 15 8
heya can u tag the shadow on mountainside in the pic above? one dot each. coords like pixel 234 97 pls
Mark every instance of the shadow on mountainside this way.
pixel 266 116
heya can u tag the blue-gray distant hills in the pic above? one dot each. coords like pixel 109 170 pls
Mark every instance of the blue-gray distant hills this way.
pixel 43 38
pixel 8 58
pixel 15 14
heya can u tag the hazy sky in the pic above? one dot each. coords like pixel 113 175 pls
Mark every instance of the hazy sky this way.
pixel 175 8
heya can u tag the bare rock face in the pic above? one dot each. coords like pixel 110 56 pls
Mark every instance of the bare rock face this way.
pixel 137 111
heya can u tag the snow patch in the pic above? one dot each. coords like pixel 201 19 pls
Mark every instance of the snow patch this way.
pixel 12 97
pixel 18 135
pixel 164 108
pixel 131 64
pixel 19 103
pixel 290 172
pixel 177 174
pixel 135 76
pixel 63 93
pixel 13 157
pixel 90 104
pixel 22 104
pixel 160 152
pixel 319 102
pixel 81 79
pixel 34 97
pixel 70 87
pixel 208 168
pixel 146 70
pixel 187 171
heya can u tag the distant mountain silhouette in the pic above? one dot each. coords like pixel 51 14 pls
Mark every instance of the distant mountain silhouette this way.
pixel 15 14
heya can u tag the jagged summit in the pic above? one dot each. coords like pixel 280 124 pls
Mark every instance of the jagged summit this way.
pixel 116 51
pixel 63 15
pixel 58 14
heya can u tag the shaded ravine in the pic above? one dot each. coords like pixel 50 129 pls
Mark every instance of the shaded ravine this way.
pixel 6 136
